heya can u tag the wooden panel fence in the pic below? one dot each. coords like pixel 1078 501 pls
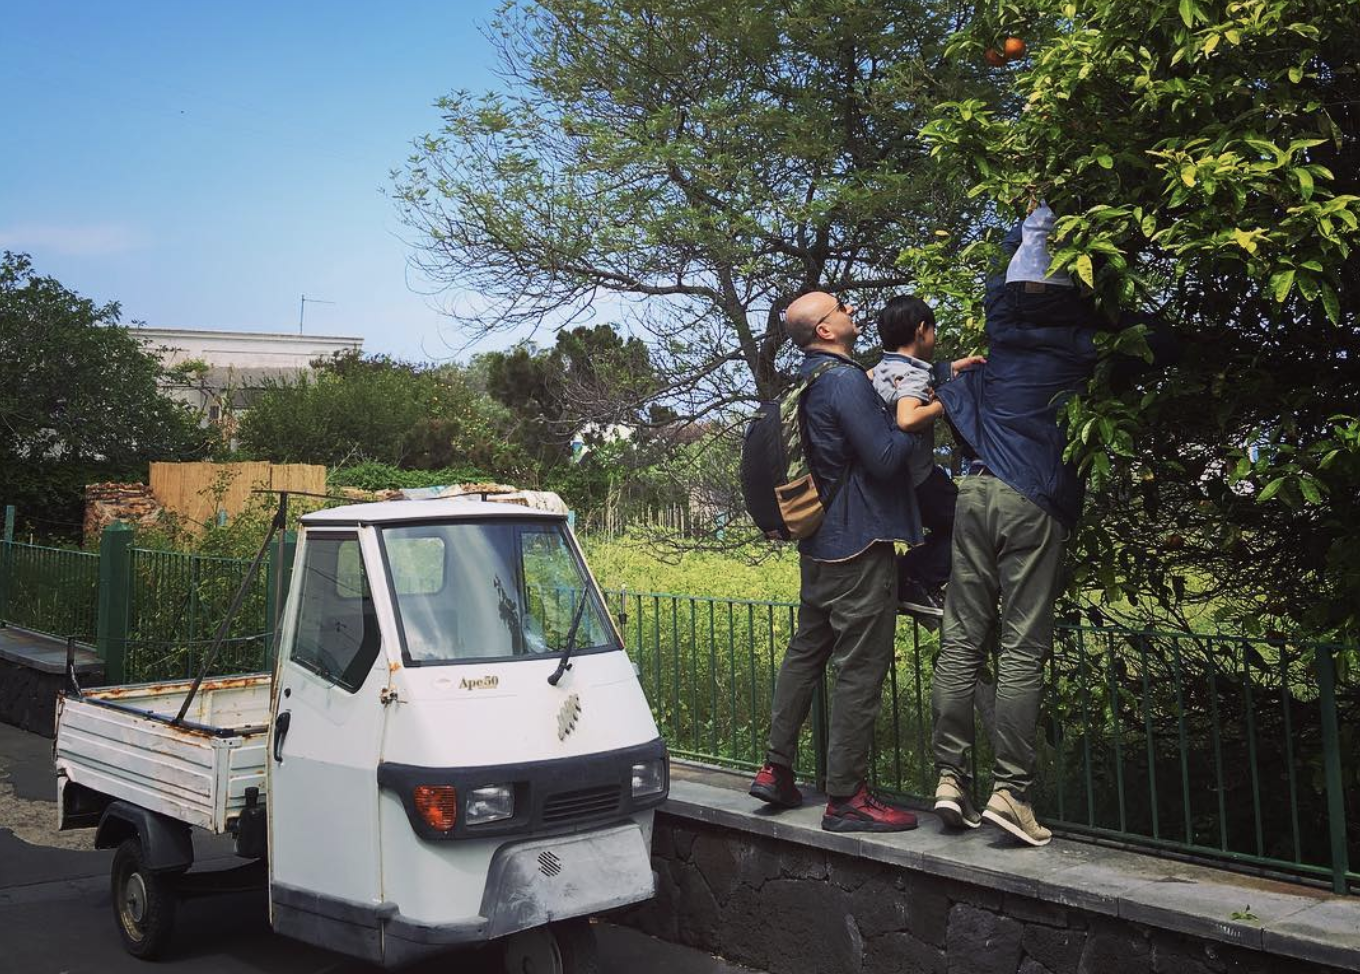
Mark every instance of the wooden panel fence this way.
pixel 197 491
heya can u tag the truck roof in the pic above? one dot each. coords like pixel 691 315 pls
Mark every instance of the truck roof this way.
pixel 392 512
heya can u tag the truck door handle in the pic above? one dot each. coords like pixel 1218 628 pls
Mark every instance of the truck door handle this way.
pixel 281 723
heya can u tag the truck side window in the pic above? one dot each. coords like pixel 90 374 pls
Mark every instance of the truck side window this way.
pixel 337 628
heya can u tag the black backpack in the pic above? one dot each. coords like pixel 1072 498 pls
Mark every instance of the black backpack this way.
pixel 781 494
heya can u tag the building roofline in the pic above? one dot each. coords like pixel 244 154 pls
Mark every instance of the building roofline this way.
pixel 146 330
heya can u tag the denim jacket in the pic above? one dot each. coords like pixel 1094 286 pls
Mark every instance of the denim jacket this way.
pixel 851 433
pixel 1041 350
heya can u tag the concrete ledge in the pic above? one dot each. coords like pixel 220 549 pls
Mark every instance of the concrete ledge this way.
pixel 33 672
pixel 1286 920
pixel 46 654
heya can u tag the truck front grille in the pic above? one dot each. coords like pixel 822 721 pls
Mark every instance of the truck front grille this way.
pixel 569 806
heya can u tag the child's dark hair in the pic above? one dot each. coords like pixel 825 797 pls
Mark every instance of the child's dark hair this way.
pixel 899 319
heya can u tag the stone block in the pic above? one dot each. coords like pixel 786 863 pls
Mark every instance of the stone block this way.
pixel 799 862
pixel 811 933
pixel 1058 949
pixel 878 908
pixel 901 953
pixel 663 842
pixel 1031 966
pixel 1112 949
pixel 851 874
pixel 697 910
pixel 981 942
pixel 714 855
pixel 927 912
pixel 683 839
pixel 1028 910
pixel 744 928
pixel 758 864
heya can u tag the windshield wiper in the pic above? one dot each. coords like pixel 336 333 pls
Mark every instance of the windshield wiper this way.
pixel 564 663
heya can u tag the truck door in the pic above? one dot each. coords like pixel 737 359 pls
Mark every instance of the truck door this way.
pixel 323 796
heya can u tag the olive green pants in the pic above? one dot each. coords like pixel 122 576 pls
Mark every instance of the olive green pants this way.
pixel 847 615
pixel 1007 561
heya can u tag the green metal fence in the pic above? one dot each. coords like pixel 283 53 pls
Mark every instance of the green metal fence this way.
pixel 177 601
pixel 1237 750
pixel 1244 751
pixel 49 590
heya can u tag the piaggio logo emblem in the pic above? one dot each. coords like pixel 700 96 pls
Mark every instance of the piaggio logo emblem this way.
pixel 567 716
pixel 480 683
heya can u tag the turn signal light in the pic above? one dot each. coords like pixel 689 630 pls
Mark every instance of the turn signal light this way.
pixel 438 806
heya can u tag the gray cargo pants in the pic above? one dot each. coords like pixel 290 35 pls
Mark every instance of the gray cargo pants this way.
pixel 848 615
pixel 1006 548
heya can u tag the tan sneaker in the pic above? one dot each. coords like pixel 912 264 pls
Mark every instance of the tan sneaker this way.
pixel 1016 817
pixel 954 805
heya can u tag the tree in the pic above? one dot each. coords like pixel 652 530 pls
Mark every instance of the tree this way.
pixel 592 376
pixel 79 400
pixel 357 409
pixel 698 163
pixel 1204 154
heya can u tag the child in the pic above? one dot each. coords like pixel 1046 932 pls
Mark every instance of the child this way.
pixel 906 379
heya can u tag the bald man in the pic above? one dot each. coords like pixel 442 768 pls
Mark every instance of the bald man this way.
pixel 848 576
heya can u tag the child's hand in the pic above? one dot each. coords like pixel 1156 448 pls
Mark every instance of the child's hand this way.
pixel 966 363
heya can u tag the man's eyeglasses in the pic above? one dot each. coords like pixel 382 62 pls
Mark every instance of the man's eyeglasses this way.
pixel 841 306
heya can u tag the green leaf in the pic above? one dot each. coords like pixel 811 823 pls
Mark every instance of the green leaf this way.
pixel 1211 42
pixel 1296 74
pixel 1331 303
pixel 1309 488
pixel 1105 161
pixel 1188 174
pixel 1085 271
pixel 1246 239
pixel 1188 12
pixel 1271 489
pixel 1305 179
pixel 1281 283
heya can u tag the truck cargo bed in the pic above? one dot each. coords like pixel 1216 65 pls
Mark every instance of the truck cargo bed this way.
pixel 121 742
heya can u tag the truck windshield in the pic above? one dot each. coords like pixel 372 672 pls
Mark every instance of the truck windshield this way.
pixel 479 590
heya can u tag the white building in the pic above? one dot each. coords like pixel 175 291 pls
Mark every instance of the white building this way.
pixel 234 365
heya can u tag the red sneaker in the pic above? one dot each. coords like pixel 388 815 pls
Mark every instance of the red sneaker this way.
pixel 774 785
pixel 862 812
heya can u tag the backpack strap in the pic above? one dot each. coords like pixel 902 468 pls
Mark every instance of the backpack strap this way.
pixel 817 373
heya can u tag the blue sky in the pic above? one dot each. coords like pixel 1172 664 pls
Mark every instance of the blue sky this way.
pixel 205 164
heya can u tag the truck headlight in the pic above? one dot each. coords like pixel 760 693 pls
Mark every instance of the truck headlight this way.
pixel 492 803
pixel 649 778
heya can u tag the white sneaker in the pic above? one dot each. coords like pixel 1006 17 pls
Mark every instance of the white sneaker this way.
pixel 1016 817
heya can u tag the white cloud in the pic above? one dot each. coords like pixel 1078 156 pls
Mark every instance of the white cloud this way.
pixel 77 240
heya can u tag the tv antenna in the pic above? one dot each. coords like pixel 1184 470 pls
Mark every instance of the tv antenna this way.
pixel 302 310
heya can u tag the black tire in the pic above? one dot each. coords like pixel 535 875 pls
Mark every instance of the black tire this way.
pixel 576 944
pixel 143 903
pixel 559 948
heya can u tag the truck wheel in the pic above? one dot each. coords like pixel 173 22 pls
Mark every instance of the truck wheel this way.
pixel 561 948
pixel 143 903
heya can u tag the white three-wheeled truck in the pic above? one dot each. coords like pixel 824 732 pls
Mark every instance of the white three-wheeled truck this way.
pixel 453 748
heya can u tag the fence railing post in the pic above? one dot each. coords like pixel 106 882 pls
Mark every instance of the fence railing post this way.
pixel 277 574
pixel 1331 764
pixel 6 563
pixel 115 600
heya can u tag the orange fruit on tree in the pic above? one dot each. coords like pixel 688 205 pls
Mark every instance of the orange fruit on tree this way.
pixel 994 57
pixel 1014 48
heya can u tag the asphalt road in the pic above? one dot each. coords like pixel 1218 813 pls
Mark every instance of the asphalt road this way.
pixel 55 916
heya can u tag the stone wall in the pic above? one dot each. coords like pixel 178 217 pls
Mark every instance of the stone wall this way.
pixel 789 909
pixel 107 503
pixel 28 696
